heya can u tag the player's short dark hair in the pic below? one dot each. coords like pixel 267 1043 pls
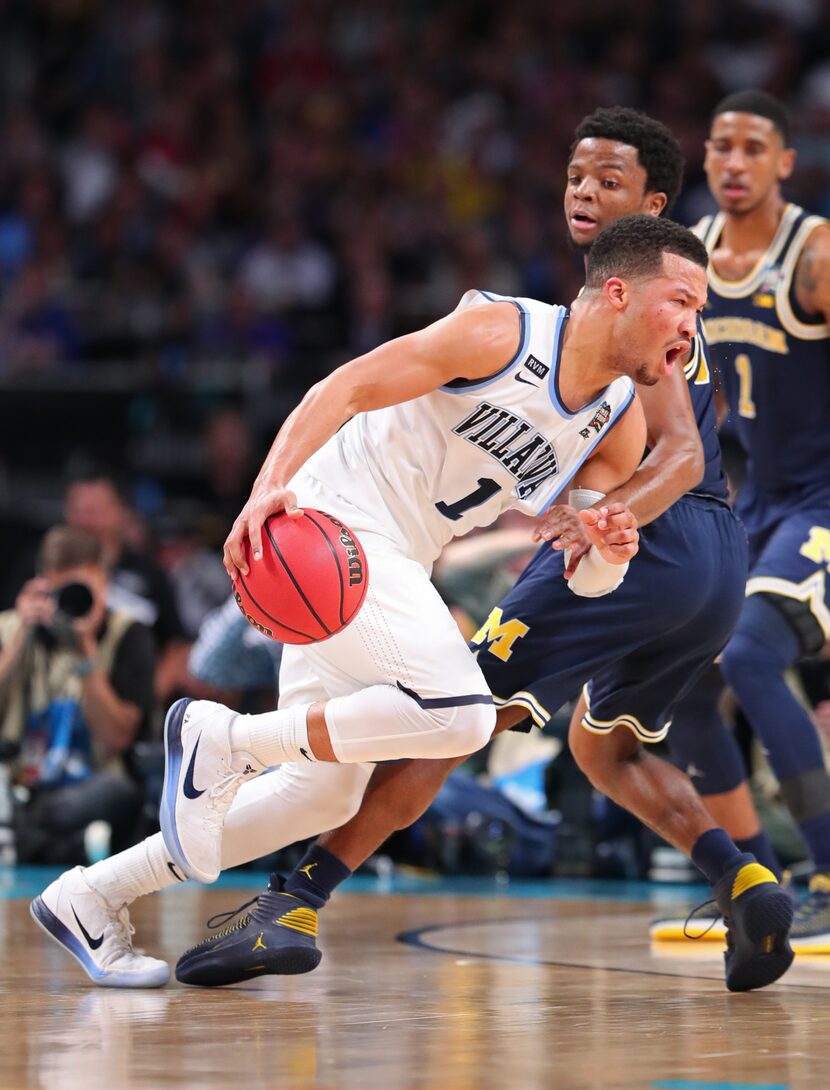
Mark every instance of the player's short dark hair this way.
pixel 760 103
pixel 65 547
pixel 658 151
pixel 633 247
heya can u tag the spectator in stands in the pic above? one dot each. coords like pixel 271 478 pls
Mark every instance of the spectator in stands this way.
pixel 76 691
pixel 138 585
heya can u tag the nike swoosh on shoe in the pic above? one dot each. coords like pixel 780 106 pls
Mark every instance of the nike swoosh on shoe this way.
pixel 188 787
pixel 91 942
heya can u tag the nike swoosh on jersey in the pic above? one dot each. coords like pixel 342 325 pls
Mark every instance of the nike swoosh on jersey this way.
pixel 92 943
pixel 521 378
pixel 188 787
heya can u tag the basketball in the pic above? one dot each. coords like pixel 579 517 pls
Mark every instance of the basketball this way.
pixel 310 582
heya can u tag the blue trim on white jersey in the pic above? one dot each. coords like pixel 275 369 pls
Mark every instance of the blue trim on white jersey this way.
pixel 590 449
pixel 553 378
pixel 466 386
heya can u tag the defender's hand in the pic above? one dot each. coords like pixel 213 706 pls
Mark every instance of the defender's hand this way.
pixel 561 526
pixel 249 522
pixel 613 530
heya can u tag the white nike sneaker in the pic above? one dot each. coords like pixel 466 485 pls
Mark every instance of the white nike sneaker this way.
pixel 98 936
pixel 200 783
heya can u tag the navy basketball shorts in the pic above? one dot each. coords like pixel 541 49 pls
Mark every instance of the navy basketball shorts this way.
pixel 635 651
pixel 789 541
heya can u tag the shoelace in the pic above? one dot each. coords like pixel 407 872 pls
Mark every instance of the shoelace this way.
pixel 222 794
pixel 121 936
pixel 694 912
pixel 222 918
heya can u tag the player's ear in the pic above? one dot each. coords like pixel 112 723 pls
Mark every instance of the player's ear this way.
pixel 786 163
pixel 655 203
pixel 616 292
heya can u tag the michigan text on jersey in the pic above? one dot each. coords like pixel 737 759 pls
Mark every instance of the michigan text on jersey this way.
pixel 746 330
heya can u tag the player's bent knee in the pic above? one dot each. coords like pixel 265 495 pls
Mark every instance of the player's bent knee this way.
pixel 464 729
pixel 600 756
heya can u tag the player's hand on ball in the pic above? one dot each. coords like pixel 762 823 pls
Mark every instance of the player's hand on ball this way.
pixel 262 503
pixel 613 530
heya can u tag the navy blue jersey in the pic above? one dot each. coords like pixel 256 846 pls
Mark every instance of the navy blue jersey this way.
pixel 699 376
pixel 772 360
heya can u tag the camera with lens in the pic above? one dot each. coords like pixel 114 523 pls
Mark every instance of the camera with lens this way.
pixel 72 602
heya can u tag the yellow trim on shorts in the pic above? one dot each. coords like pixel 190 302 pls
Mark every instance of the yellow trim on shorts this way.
pixel 605 726
pixel 538 712
pixel 810 592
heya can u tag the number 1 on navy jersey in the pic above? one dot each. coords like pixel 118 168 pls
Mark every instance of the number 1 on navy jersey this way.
pixel 487 487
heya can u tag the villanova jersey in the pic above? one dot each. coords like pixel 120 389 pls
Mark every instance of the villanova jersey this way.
pixel 699 377
pixel 773 360
pixel 437 466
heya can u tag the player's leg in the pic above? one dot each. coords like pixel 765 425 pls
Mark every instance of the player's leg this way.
pixel 702 745
pixel 397 794
pixel 787 616
pixel 757 911
pixel 84 904
pixel 293 802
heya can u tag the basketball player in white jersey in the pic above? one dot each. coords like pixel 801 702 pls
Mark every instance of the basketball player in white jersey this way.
pixel 503 404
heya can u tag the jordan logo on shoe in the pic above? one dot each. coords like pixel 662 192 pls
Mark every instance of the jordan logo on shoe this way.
pixel 259 944
pixel 188 787
pixel 248 770
pixel 92 943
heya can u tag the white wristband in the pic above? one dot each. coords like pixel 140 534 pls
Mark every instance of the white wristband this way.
pixel 594 576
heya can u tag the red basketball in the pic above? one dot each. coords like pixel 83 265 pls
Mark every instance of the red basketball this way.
pixel 310 582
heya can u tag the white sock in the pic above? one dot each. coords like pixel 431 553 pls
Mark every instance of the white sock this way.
pixel 273 738
pixel 142 869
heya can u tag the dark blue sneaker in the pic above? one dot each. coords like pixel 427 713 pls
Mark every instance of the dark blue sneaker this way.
pixel 276 937
pixel 758 915
pixel 811 926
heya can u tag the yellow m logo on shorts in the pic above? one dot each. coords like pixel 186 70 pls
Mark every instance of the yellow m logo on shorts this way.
pixel 500 635
pixel 817 546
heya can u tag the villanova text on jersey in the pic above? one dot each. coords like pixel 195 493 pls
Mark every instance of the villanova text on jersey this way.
pixel 501 434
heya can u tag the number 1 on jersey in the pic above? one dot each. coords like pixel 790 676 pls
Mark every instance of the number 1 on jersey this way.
pixel 746 406
pixel 487 487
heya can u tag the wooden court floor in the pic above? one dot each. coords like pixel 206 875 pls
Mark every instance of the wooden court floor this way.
pixel 440 992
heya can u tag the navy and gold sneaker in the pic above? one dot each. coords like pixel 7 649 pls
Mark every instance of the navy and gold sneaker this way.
pixel 276 937
pixel 810 932
pixel 758 915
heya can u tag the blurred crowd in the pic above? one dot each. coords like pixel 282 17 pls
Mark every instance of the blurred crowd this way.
pixel 282 179
pixel 204 207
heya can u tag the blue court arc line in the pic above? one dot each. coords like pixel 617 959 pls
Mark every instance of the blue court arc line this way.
pixel 698 1084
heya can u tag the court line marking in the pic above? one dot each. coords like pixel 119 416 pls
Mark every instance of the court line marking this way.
pixel 415 938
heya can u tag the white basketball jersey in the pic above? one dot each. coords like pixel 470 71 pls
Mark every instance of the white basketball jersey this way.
pixel 437 466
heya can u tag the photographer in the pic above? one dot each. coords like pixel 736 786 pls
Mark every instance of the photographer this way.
pixel 76 690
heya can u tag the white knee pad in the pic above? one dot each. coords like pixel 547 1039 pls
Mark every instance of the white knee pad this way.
pixel 468 728
pixel 383 723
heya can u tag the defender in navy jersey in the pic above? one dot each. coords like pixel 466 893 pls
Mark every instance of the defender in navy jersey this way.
pixel 641 645
pixel 767 325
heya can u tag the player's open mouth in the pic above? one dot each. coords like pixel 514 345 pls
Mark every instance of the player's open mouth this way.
pixel 731 189
pixel 675 354
pixel 582 219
